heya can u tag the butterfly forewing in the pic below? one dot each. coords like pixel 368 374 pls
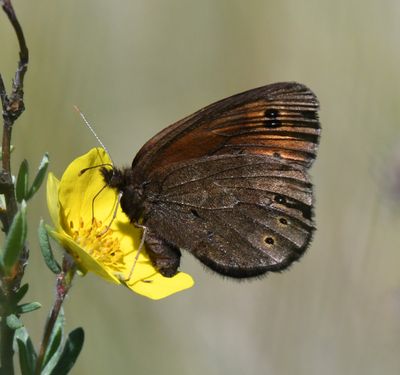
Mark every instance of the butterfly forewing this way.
pixel 276 120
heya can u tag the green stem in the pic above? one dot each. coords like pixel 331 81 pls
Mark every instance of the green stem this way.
pixel 7 188
pixel 64 283
pixel 7 352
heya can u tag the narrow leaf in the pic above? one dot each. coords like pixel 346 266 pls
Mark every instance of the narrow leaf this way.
pixel 27 354
pixel 37 182
pixel 53 353
pixel 13 322
pixel 15 239
pixel 28 307
pixel 20 293
pixel 22 185
pixel 47 252
pixel 71 351
pixel 54 347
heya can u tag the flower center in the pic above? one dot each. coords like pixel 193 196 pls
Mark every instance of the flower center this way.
pixel 99 242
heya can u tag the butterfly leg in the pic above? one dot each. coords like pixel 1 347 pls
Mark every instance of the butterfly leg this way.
pixel 164 256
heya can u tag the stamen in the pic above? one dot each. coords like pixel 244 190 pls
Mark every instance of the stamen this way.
pixel 106 249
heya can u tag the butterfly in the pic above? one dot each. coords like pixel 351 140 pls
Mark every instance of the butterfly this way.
pixel 229 183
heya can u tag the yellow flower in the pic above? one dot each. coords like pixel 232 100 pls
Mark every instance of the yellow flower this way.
pixel 81 212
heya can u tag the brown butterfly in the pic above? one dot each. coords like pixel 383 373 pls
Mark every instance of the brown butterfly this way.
pixel 229 183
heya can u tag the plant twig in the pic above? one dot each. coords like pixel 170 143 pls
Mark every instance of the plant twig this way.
pixel 64 281
pixel 12 108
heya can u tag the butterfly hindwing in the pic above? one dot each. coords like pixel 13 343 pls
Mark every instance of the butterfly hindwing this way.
pixel 241 215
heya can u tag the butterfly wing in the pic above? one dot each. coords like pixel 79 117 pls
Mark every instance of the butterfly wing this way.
pixel 280 119
pixel 241 215
pixel 230 183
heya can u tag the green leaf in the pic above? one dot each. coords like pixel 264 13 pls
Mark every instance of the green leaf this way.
pixel 15 239
pixel 37 182
pixel 26 351
pixel 13 322
pixel 53 353
pixel 54 347
pixel 71 351
pixel 22 185
pixel 20 293
pixel 28 307
pixel 47 252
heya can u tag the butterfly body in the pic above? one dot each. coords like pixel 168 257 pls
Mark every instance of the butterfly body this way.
pixel 228 183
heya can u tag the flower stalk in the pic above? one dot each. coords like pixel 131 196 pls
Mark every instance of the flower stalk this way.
pixel 63 285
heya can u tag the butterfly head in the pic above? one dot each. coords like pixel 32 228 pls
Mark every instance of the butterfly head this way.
pixel 114 177
pixel 131 195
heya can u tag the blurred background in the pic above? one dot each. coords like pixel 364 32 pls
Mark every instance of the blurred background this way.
pixel 136 66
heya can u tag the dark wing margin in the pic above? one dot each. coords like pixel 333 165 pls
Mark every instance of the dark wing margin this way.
pixel 241 215
pixel 279 120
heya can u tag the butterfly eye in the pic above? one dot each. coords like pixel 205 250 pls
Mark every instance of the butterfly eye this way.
pixel 271 120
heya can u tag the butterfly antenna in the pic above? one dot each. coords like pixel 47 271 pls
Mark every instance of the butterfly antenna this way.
pixel 93 132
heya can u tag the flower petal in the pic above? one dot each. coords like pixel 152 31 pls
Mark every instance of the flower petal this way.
pixel 157 286
pixel 79 193
pixel 85 261
pixel 52 199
